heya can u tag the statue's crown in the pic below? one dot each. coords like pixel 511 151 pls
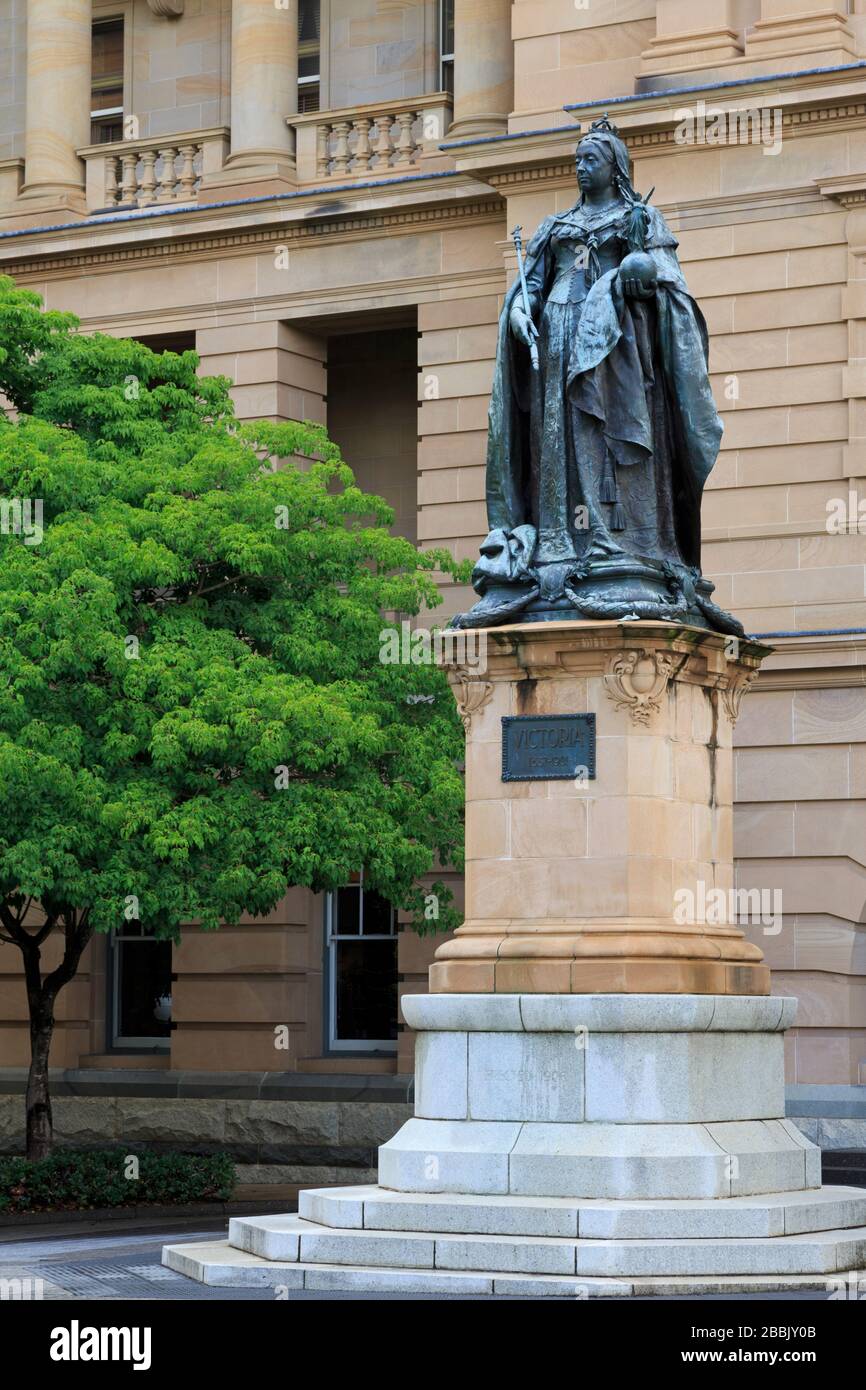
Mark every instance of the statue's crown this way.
pixel 603 126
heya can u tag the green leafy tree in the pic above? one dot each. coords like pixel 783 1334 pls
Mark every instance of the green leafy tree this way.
pixel 194 715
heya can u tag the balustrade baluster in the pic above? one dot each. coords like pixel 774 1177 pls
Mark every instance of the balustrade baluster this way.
pixel 148 179
pixel 405 140
pixel 112 168
pixel 419 139
pixel 167 177
pixel 323 150
pixel 384 148
pixel 341 153
pixel 188 175
pixel 129 187
pixel 363 151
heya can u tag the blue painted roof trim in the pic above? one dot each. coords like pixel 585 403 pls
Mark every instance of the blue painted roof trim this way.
pixel 151 214
pixel 606 102
pixel 717 86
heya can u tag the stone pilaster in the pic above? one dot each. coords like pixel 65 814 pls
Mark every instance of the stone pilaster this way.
pixel 483 67
pixel 802 29
pixel 618 880
pixel 850 191
pixel 692 36
pixel 279 372
pixel 264 94
pixel 57 115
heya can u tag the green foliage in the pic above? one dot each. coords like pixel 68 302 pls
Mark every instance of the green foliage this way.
pixel 77 1180
pixel 193 619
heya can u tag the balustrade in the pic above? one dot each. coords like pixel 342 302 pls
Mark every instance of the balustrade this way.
pixel 144 173
pixel 370 141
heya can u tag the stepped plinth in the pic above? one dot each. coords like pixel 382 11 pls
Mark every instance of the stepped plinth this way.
pixel 599 1090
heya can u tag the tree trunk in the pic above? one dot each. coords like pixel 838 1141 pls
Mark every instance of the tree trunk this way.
pixel 40 1132
pixel 41 994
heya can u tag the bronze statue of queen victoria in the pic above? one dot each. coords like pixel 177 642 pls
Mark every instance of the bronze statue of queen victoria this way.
pixel 602 425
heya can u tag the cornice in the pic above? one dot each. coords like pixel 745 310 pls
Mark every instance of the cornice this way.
pixel 649 128
pixel 848 190
pixel 814 678
pixel 555 172
pixel 842 115
pixel 728 207
pixel 355 227
pixel 527 160
pixel 810 661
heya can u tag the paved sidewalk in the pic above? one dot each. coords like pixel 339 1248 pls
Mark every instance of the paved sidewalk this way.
pixel 120 1265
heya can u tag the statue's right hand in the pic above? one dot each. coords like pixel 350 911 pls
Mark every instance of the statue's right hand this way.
pixel 522 326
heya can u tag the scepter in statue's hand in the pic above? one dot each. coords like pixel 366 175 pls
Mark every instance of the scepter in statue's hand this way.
pixel 531 332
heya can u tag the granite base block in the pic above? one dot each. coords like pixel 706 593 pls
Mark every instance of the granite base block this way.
pixel 574 1146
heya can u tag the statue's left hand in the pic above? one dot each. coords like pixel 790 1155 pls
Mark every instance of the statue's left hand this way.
pixel 635 289
pixel 638 276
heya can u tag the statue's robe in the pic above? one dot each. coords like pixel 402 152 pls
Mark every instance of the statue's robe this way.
pixel 621 407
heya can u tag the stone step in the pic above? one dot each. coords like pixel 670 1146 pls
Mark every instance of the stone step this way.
pixel 220 1265
pixel 783 1213
pixel 616 1162
pixel 287 1239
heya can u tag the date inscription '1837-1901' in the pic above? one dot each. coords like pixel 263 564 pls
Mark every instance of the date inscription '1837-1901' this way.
pixel 547 747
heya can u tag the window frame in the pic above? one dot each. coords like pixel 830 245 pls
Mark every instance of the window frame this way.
pixel 111 14
pixel 446 59
pixel 317 80
pixel 115 1040
pixel 333 1045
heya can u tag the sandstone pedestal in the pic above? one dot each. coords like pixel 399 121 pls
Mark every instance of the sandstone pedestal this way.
pixel 572 884
pixel 599 1093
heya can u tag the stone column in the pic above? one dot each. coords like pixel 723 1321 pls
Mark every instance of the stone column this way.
pixel 57 115
pixel 483 67
pixel 264 94
pixel 687 38
pixel 617 879
pixel 795 30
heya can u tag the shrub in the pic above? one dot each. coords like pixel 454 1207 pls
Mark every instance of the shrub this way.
pixel 81 1179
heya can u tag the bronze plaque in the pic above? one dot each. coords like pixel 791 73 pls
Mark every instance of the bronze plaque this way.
pixel 547 747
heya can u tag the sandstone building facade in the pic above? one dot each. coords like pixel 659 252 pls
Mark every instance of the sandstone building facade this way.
pixel 318 196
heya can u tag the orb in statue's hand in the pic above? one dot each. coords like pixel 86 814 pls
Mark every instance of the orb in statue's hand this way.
pixel 638 275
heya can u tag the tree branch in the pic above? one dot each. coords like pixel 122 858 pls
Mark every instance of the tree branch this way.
pixel 18 934
pixel 77 934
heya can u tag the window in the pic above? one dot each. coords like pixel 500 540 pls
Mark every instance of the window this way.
pixel 181 341
pixel 309 23
pixel 106 97
pixel 139 990
pixel 361 937
pixel 446 45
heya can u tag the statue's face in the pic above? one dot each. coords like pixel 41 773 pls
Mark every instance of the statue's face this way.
pixel 594 167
